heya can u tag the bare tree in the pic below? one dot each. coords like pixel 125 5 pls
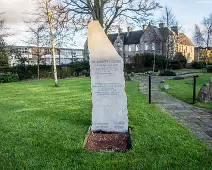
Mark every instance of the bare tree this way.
pixel 108 12
pixel 169 19
pixel 207 23
pixel 36 38
pixel 198 36
pixel 54 21
pixel 204 37
pixel 4 32
pixel 4 29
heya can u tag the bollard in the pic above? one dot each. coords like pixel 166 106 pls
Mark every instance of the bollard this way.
pixel 150 100
pixel 194 89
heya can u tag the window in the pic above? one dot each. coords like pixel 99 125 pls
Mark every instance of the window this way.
pixel 146 46
pixel 126 48
pixel 153 46
pixel 26 51
pixel 137 48
pixel 130 49
pixel 57 51
pixel 78 52
pixel 46 51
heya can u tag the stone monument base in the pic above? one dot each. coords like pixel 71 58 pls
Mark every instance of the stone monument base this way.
pixel 105 142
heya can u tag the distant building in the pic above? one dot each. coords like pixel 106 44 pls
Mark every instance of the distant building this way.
pixel 29 53
pixel 160 40
pixel 203 54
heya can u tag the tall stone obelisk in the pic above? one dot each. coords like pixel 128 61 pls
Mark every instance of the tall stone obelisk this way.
pixel 109 112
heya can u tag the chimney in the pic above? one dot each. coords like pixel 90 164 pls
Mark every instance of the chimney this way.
pixel 120 30
pixel 129 29
pixel 144 27
pixel 175 29
pixel 161 25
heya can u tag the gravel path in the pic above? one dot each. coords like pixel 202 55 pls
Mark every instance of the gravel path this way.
pixel 198 120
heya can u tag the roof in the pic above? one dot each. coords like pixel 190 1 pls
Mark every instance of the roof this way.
pixel 202 48
pixel 133 37
pixel 164 31
pixel 183 39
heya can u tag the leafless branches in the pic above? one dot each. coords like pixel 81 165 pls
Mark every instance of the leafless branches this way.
pixel 203 37
pixel 4 29
pixel 198 36
pixel 109 12
pixel 168 18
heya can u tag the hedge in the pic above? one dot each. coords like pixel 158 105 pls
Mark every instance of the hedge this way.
pixel 167 73
pixel 209 69
pixel 144 62
pixel 26 72
pixel 8 78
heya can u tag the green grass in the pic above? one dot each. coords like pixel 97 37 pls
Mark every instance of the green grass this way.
pixel 43 127
pixel 183 89
pixel 190 71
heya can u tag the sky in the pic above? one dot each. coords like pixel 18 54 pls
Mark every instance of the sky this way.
pixel 188 12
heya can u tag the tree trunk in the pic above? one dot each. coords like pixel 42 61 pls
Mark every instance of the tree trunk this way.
pixel 54 61
pixel 38 63
pixel 59 56
pixel 53 50
pixel 98 10
pixel 38 58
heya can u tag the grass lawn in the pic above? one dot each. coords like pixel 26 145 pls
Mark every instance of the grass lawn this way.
pixel 183 89
pixel 181 71
pixel 43 127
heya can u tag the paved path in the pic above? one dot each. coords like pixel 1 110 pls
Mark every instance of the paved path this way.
pixel 198 120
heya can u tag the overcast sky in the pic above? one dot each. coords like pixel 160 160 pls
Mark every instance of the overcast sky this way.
pixel 188 12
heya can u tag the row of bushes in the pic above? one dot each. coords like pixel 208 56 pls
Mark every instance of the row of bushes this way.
pixel 167 73
pixel 209 68
pixel 8 78
pixel 197 65
pixel 144 62
pixel 25 72
pixel 200 65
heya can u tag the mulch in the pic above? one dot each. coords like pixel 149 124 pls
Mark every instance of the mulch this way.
pixel 102 142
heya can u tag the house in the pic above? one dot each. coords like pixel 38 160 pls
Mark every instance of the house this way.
pixel 150 39
pixel 203 54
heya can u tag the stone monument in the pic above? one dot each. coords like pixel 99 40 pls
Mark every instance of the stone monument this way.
pixel 205 93
pixel 109 112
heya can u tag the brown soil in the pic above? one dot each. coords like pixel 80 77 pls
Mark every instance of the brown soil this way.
pixel 97 142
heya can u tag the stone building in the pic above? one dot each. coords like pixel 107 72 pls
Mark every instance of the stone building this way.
pixel 150 39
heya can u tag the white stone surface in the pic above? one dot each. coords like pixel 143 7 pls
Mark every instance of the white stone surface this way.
pixel 109 112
